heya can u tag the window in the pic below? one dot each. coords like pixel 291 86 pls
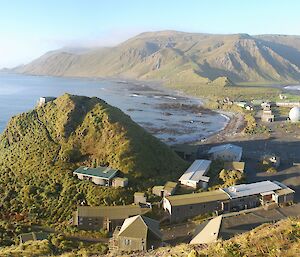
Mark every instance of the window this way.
pixel 127 241
pixel 191 207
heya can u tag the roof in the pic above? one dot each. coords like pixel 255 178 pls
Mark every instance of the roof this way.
pixel 99 172
pixel 139 194
pixel 120 179
pixel 234 166
pixel 208 232
pixel 226 147
pixel 250 189
pixel 196 171
pixel 139 227
pixel 159 188
pixel 112 212
pixel 33 236
pixel 170 185
pixel 204 197
pixel 284 191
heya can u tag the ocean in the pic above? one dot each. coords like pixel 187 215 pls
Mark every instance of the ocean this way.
pixel 168 115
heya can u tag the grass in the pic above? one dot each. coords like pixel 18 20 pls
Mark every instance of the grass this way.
pixel 37 158
pixel 270 239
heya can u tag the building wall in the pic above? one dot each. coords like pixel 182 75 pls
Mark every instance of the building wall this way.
pixel 119 183
pixel 139 199
pixel 183 212
pixel 242 203
pixel 91 223
pixel 99 181
pixel 281 199
pixel 97 223
pixel 129 244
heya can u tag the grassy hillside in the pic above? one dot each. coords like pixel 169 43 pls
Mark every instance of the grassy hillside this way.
pixel 40 149
pixel 278 239
pixel 179 56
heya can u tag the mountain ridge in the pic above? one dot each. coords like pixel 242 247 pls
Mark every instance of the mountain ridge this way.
pixel 164 55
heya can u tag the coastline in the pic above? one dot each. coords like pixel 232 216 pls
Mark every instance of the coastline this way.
pixel 136 84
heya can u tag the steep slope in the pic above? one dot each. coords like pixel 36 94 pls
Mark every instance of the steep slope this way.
pixel 180 56
pixel 40 149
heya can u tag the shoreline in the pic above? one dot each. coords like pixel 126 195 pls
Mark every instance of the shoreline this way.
pixel 158 86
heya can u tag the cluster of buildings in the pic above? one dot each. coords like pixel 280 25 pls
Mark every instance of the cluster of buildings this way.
pixel 234 198
pixel 131 230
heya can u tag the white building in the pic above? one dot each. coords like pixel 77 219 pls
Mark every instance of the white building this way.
pixel 195 174
pixel 227 152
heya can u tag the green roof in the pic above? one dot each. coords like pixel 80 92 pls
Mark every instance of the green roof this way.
pixel 195 198
pixel 99 172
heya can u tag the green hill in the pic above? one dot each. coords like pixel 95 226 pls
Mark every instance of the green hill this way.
pixel 179 56
pixel 40 149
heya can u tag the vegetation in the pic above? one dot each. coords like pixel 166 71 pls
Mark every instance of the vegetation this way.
pixel 40 149
pixel 56 245
pixel 179 57
pixel 277 239
pixel 219 177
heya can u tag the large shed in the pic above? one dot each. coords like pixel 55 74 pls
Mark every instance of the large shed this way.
pixel 195 174
pixel 226 152
pixel 181 207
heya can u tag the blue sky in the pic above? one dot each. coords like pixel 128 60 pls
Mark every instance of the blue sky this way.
pixel 28 28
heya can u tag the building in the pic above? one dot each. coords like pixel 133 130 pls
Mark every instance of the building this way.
pixel 237 166
pixel 234 198
pixel 267 116
pixel 226 152
pixel 168 189
pixel 105 217
pixel 182 207
pixel 137 233
pixel 208 232
pixel 195 174
pixel 119 182
pixel 100 176
pixel 271 160
pixel 139 197
pixel 32 236
pixel 264 193
pixel 43 100
pixel 241 104
pixel 225 227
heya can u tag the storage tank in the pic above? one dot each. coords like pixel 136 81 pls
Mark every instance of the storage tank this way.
pixel 294 114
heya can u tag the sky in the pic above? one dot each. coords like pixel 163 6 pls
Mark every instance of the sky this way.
pixel 29 28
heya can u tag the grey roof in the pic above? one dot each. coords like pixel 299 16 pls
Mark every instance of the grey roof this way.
pixel 250 189
pixel 196 171
pixel 227 147
pixel 111 212
pixel 208 232
pixel 139 227
pixel 196 198
pixel 99 172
